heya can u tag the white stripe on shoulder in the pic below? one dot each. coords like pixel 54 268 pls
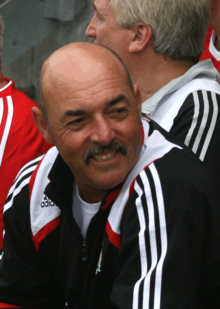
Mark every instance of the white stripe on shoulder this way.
pixel 34 162
pixel 156 261
pixel 7 127
pixel 194 120
pixel 155 147
pixel 203 123
pixel 43 210
pixel 211 127
pixel 142 246
pixel 152 235
pixel 1 109
pixel 23 173
pixel 15 192
pixel 163 236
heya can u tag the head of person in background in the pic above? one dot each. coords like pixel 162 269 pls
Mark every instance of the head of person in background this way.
pixel 161 42
pixel 100 138
pixel 157 40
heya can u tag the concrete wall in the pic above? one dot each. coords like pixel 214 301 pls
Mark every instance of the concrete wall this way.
pixel 30 38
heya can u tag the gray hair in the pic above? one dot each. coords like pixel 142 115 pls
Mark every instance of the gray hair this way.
pixel 1 34
pixel 179 26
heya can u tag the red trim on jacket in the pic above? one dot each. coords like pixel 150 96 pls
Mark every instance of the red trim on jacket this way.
pixel 113 237
pixel 45 231
pixel 33 177
pixel 4 306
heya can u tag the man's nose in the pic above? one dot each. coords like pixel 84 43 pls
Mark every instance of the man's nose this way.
pixel 102 133
pixel 90 31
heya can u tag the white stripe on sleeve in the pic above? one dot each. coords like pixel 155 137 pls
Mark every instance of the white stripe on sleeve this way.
pixel 211 127
pixel 7 127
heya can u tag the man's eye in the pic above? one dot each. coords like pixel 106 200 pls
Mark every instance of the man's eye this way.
pixel 120 111
pixel 76 122
pixel 100 18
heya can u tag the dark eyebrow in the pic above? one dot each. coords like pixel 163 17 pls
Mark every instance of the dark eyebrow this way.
pixel 81 112
pixel 119 98
pixel 75 113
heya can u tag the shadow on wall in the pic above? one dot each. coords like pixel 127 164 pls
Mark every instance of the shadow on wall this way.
pixel 34 29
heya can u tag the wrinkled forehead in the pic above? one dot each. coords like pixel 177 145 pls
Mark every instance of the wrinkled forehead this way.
pixel 87 82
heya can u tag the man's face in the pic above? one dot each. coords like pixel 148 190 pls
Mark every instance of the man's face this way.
pixel 105 30
pixel 96 127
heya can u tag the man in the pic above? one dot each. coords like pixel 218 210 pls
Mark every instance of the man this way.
pixel 212 41
pixel 119 215
pixel 20 140
pixel 160 43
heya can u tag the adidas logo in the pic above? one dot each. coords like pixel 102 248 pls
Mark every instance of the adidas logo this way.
pixel 47 202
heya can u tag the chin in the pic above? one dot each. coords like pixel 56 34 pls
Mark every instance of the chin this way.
pixel 109 183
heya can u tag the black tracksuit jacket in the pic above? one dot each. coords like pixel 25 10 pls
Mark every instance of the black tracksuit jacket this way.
pixel 155 242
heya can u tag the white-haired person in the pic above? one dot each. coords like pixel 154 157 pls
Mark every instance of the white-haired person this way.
pixel 161 42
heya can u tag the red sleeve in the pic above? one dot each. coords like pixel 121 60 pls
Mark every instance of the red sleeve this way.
pixel 23 141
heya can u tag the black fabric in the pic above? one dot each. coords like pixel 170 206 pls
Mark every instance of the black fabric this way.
pixel 114 277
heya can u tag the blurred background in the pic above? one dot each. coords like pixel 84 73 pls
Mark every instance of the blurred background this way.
pixel 33 30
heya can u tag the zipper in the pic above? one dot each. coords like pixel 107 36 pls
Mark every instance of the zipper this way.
pixel 84 251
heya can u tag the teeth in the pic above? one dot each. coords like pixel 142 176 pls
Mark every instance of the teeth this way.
pixel 104 157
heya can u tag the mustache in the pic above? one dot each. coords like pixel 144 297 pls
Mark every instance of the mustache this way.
pixel 101 149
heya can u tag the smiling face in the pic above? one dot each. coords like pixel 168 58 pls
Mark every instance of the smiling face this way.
pixel 94 120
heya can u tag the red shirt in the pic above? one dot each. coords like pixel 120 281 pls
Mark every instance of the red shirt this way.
pixel 20 140
pixel 210 52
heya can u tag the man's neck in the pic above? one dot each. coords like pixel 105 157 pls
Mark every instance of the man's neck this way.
pixel 217 41
pixel 157 73
pixel 91 195
pixel 3 82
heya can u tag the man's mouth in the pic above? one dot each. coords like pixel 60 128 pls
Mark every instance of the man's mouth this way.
pixel 104 153
pixel 103 157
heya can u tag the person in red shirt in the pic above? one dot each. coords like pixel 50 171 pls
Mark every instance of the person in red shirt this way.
pixel 212 42
pixel 20 140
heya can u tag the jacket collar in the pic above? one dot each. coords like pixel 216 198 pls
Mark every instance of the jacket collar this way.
pixel 204 69
pixel 60 187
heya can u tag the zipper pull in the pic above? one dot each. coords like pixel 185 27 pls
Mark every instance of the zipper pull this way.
pixel 84 251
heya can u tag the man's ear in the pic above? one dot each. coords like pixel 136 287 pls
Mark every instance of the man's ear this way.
pixel 42 124
pixel 142 34
pixel 138 98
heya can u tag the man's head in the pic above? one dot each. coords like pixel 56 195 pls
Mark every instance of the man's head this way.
pixel 92 116
pixel 175 28
pixel 1 39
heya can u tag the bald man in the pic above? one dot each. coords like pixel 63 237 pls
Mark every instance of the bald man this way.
pixel 118 214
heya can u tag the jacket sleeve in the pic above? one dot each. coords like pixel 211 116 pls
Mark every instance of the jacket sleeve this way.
pixel 24 278
pixel 197 125
pixel 169 257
